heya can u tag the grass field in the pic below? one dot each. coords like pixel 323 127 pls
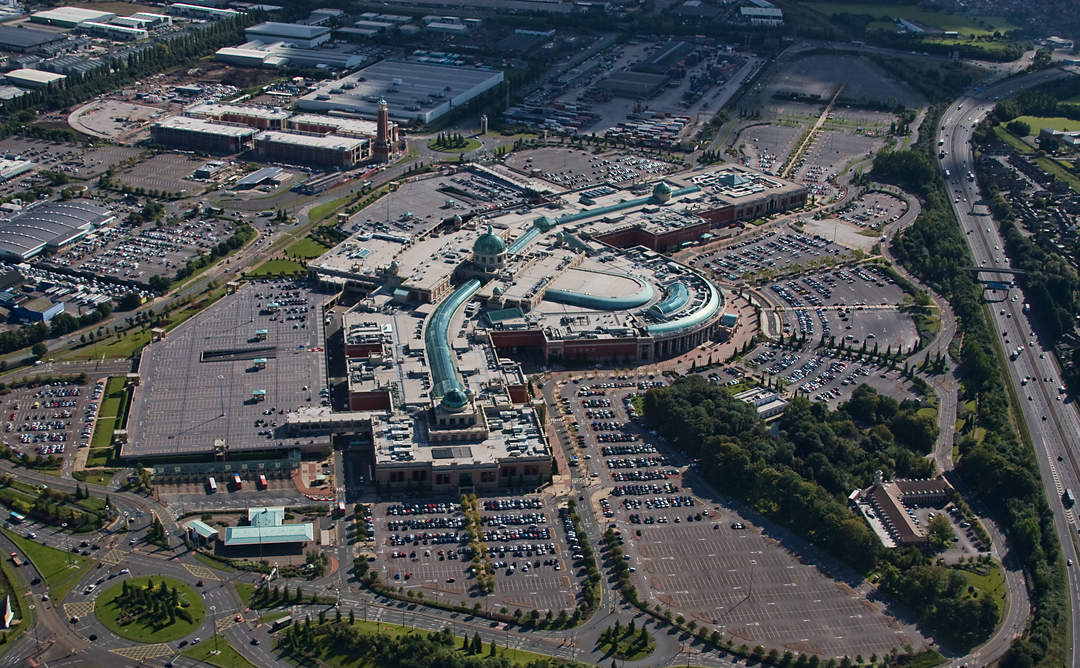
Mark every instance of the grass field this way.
pixel 61 570
pixel 470 145
pixel 244 590
pixel 108 612
pixel 963 24
pixel 118 8
pixel 213 563
pixel 989 582
pixel 1012 140
pixel 102 478
pixel 14 585
pixel 306 249
pixel 1052 122
pixel 1060 172
pixel 226 656
pixel 323 210
pixel 117 347
pixel 272 268
pixel 112 406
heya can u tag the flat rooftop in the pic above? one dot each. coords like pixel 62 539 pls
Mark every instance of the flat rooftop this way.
pixel 328 142
pixel 199 383
pixel 339 125
pixel 409 88
pixel 212 110
pixel 208 127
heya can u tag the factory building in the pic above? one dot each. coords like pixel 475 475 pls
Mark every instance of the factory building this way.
pixel 31 78
pixel 70 17
pixel 412 90
pixel 201 135
pixel 315 150
pixel 49 226
pixel 27 40
pixel 260 118
pixel 200 12
pixel 297 34
pixel 113 31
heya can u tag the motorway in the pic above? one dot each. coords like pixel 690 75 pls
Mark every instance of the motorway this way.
pixel 1053 422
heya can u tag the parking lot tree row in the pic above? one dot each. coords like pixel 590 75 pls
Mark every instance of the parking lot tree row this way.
pixel 78 512
pixel 1001 466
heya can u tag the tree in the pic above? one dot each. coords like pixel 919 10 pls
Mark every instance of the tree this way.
pixel 39 349
pixel 1018 128
pixel 940 532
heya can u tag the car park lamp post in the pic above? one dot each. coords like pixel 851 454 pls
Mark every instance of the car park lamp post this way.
pixel 213 622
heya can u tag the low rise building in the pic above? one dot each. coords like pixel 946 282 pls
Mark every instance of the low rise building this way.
pixel 200 135
pixel 315 150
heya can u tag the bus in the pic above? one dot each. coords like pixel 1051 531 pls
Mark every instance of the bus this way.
pixel 212 484
pixel 237 482
pixel 262 481
pixel 280 623
pixel 341 508
pixel 1067 498
pixel 16 517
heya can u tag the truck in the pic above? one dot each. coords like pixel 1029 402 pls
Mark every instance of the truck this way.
pixel 262 481
pixel 1067 498
pixel 15 559
pixel 341 508
pixel 212 484
pixel 279 624
pixel 237 482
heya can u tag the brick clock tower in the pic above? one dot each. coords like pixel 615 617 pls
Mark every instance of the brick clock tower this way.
pixel 383 142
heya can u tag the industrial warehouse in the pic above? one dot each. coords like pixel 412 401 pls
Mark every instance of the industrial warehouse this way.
pixel 414 91
pixel 49 226
pixel 307 139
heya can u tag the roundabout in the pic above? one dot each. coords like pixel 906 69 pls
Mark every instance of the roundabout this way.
pixel 150 609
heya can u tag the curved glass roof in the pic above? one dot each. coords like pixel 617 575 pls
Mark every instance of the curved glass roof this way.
pixel 600 303
pixel 692 319
pixel 675 297
pixel 523 240
pixel 440 357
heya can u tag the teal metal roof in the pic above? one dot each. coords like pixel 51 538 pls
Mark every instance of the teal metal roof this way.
pixel 262 331
pixel 437 344
pixel 729 319
pixel 202 528
pixel 504 314
pixel 523 240
pixel 266 516
pixel 675 297
pixel 489 243
pixel 599 303
pixel 258 393
pixel 693 319
pixel 285 533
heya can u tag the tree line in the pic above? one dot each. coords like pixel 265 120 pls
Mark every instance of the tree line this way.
pixel 1000 466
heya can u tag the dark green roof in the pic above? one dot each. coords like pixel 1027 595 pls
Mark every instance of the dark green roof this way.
pixel 489 243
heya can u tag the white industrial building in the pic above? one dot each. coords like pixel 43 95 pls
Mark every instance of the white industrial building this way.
pixel 296 34
pixel 413 91
pixel 70 17
pixel 9 169
pixel 200 12
pixel 281 54
pixel 113 31
pixel 30 78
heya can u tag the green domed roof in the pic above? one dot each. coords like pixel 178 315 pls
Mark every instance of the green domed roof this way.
pixel 489 243
pixel 454 400
pixel 661 189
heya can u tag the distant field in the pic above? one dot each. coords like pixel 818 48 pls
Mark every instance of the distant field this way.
pixel 963 24
pixel 1054 122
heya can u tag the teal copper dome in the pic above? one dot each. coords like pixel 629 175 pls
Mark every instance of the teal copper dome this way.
pixel 489 243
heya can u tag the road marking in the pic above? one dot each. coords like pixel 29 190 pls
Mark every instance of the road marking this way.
pixel 112 557
pixel 144 652
pixel 201 572
pixel 79 609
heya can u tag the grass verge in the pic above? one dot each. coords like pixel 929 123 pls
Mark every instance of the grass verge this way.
pixel 61 570
pixel 102 478
pixel 225 656
pixel 276 268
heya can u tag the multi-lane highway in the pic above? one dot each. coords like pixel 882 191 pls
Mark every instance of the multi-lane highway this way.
pixel 1052 421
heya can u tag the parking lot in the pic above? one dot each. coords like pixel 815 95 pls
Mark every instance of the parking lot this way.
pixel 862 81
pixel 826 375
pixel 423 546
pixel 74 159
pixel 80 295
pixel 51 419
pixel 766 147
pixel 417 206
pixel 765 253
pixel 572 168
pixel 701 559
pixel 827 156
pixel 138 253
pixel 165 172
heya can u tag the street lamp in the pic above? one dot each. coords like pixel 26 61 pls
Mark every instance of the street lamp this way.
pixel 213 621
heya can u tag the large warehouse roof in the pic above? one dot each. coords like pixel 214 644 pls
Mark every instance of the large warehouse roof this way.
pixel 412 90
pixel 23 38
pixel 331 142
pixel 50 224
pixel 32 78
pixel 70 15
pixel 274 30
